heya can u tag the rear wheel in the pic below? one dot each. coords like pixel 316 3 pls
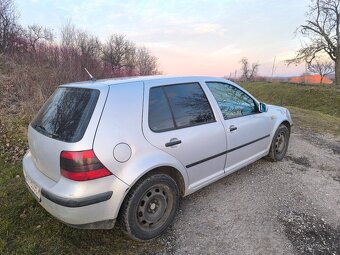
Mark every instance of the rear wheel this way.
pixel 150 207
pixel 279 144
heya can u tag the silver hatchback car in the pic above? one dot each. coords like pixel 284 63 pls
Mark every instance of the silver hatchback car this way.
pixel 128 149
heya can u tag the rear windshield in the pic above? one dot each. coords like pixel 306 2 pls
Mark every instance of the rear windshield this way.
pixel 66 115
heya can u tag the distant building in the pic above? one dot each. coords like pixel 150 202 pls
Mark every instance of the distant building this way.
pixel 310 79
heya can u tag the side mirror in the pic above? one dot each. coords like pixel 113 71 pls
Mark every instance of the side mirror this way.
pixel 263 107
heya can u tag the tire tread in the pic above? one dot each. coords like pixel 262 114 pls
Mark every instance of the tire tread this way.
pixel 272 154
pixel 123 217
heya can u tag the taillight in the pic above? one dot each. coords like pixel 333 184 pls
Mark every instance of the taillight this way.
pixel 81 166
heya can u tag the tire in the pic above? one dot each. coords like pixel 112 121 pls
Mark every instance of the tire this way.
pixel 150 207
pixel 279 144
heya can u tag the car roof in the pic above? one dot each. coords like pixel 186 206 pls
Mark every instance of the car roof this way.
pixel 123 80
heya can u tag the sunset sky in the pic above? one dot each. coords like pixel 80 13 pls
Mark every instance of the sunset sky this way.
pixel 188 37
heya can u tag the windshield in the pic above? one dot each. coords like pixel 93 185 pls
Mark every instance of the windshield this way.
pixel 66 114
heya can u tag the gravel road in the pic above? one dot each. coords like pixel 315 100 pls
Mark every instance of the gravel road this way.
pixel 288 207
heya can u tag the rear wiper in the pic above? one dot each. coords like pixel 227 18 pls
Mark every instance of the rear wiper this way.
pixel 40 127
pixel 54 135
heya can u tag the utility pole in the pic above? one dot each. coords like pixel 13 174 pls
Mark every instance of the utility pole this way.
pixel 273 69
pixel 305 75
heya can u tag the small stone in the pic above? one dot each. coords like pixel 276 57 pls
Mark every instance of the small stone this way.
pixel 17 176
pixel 23 215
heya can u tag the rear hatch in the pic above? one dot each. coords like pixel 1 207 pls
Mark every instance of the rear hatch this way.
pixel 67 121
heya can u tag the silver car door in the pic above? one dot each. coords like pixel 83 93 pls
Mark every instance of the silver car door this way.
pixel 248 131
pixel 179 120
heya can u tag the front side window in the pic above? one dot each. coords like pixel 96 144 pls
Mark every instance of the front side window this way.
pixel 178 106
pixel 232 101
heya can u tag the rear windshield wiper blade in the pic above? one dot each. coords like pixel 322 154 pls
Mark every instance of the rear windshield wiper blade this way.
pixel 40 127
pixel 54 135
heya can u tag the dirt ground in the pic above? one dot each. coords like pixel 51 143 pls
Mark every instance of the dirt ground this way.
pixel 288 207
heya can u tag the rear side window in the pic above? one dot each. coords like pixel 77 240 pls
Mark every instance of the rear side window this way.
pixel 66 115
pixel 160 118
pixel 179 106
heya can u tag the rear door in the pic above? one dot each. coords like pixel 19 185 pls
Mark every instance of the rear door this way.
pixel 248 131
pixel 179 120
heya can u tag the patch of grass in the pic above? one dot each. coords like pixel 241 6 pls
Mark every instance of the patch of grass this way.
pixel 13 141
pixel 315 121
pixel 26 228
pixel 313 107
pixel 320 98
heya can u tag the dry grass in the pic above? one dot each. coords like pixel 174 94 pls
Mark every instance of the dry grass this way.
pixel 315 121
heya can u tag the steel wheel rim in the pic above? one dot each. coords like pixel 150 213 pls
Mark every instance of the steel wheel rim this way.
pixel 280 142
pixel 154 207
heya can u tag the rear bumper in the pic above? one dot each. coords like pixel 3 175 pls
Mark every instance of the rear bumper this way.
pixel 77 202
pixel 105 224
pixel 88 204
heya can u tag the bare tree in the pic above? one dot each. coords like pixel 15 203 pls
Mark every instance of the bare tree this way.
pixel 68 35
pixel 37 33
pixel 88 46
pixel 88 51
pixel 248 71
pixel 113 51
pixel 9 28
pixel 322 30
pixel 130 58
pixel 322 68
pixel 119 53
pixel 146 64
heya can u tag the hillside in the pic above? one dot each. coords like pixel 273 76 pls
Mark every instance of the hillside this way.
pixel 313 107
pixel 321 98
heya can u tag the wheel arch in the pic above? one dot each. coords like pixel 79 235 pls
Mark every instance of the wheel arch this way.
pixel 164 169
pixel 287 124
pixel 272 154
pixel 171 171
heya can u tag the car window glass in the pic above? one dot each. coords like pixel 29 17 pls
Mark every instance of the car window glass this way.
pixel 189 104
pixel 232 101
pixel 65 116
pixel 160 117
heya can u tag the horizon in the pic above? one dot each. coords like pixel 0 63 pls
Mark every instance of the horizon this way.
pixel 187 37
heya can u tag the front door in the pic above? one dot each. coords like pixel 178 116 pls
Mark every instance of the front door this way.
pixel 248 130
pixel 179 120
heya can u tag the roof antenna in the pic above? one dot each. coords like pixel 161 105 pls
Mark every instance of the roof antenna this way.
pixel 91 76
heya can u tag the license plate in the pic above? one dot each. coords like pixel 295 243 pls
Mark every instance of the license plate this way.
pixel 35 189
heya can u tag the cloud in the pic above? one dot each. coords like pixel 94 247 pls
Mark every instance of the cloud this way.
pixel 209 28
pixel 227 50
pixel 159 45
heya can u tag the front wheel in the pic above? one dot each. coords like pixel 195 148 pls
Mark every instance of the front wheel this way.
pixel 150 207
pixel 279 144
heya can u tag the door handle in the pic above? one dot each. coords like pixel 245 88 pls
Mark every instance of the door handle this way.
pixel 232 128
pixel 172 142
